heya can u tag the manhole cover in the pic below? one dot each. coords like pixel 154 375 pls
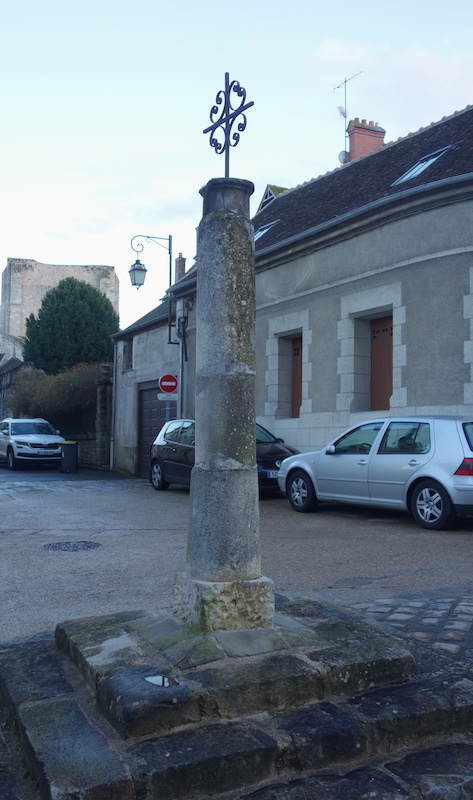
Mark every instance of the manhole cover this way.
pixel 72 546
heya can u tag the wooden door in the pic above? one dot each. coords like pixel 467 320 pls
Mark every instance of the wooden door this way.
pixel 153 413
pixel 381 363
pixel 296 376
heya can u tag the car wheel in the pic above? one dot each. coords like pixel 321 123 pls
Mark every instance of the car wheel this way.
pixel 157 478
pixel 11 460
pixel 301 492
pixel 431 506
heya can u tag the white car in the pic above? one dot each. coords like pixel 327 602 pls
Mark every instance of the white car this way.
pixel 420 464
pixel 23 440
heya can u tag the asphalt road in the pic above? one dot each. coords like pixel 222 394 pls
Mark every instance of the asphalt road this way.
pixel 96 542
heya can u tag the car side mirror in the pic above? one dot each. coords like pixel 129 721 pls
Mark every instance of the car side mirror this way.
pixel 58 433
pixel 330 450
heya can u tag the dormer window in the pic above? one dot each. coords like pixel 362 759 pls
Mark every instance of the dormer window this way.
pixel 421 165
pixel 264 229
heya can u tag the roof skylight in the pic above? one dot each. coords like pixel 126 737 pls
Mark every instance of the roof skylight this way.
pixel 421 165
pixel 264 229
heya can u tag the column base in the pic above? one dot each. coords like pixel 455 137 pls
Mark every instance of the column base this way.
pixel 225 605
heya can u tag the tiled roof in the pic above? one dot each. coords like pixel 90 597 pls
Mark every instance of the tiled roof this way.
pixel 160 314
pixel 150 320
pixel 369 179
pixel 10 365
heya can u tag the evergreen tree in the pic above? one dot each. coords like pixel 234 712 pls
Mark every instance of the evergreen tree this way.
pixel 73 326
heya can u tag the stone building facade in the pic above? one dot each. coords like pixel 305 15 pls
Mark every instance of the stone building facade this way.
pixel 160 343
pixel 364 292
pixel 25 282
pixel 365 287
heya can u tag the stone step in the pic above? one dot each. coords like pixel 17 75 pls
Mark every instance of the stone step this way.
pixel 444 772
pixel 72 752
pixel 241 746
pixel 151 675
pixel 325 737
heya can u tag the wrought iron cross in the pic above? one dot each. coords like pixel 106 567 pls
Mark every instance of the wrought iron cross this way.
pixel 229 114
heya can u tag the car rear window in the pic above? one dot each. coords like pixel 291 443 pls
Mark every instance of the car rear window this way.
pixel 468 429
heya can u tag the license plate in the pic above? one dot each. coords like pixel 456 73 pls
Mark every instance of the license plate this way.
pixel 273 473
pixel 48 452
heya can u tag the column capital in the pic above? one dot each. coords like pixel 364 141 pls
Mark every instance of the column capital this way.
pixel 231 195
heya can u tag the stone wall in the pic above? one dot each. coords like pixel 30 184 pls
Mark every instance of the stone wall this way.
pixel 25 282
pixel 94 447
pixel 10 347
pixel 417 269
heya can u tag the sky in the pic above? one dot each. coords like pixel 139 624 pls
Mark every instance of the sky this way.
pixel 104 103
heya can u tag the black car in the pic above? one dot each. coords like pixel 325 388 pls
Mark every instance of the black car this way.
pixel 172 455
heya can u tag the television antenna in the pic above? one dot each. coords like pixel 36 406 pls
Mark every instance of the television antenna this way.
pixel 343 109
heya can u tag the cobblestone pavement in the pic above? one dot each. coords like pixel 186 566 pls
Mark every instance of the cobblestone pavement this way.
pixel 443 620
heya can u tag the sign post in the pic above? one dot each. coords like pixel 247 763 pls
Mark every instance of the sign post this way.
pixel 168 385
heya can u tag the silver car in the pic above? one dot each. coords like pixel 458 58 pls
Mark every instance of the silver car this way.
pixel 421 464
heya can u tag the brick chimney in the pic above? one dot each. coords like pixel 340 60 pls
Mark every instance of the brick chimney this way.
pixel 364 137
pixel 179 267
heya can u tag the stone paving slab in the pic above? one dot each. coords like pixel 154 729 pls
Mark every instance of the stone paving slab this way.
pixel 369 784
pixel 438 773
pixel 205 762
pixel 70 757
pixel 136 707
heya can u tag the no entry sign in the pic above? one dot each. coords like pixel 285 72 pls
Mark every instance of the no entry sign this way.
pixel 168 383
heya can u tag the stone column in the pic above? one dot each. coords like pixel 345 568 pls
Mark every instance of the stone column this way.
pixel 222 587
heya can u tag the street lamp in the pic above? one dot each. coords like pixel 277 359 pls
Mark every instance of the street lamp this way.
pixel 137 271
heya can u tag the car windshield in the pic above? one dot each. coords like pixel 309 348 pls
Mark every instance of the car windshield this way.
pixel 186 434
pixel 22 428
pixel 359 440
pixel 262 435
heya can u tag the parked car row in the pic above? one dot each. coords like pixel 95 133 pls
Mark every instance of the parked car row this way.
pixel 29 440
pixel 419 464
pixel 423 465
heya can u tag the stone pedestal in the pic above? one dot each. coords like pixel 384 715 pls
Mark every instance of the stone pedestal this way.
pixel 222 587
pixel 224 605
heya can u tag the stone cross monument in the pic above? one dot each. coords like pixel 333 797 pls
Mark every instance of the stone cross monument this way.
pixel 222 587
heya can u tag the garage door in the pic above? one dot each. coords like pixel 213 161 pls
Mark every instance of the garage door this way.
pixel 153 414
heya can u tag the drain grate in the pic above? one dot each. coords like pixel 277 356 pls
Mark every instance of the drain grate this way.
pixel 71 546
